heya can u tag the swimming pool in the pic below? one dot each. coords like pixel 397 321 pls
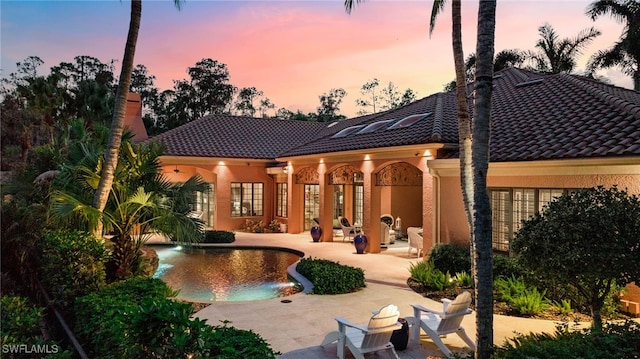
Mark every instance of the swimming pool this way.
pixel 209 274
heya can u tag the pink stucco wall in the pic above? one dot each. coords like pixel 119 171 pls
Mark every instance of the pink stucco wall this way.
pixel 222 176
pixel 453 225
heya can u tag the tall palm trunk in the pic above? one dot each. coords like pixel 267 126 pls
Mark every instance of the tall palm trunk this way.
pixel 464 121
pixel 482 207
pixel 117 123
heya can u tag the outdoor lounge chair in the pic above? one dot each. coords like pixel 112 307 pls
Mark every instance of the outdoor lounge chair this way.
pixel 415 239
pixel 347 229
pixel 384 234
pixel 373 337
pixel 388 219
pixel 437 324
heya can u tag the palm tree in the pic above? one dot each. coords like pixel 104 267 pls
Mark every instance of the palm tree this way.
pixel 503 59
pixel 101 195
pixel 141 201
pixel 483 258
pixel 557 55
pixel 472 165
pixel 625 53
pixel 464 118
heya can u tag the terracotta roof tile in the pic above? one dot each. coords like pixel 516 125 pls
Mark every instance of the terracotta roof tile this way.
pixel 237 137
pixel 534 116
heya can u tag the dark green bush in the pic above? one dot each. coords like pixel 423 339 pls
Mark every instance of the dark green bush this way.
pixel 103 319
pixel 506 267
pixel 586 239
pixel 450 258
pixel 134 319
pixel 163 329
pixel 72 265
pixel 19 319
pixel 212 236
pixel 616 340
pixel 20 325
pixel 330 277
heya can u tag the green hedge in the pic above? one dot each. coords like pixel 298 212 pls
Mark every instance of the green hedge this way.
pixel 20 325
pixel 135 319
pixel 213 236
pixel 616 340
pixel 73 265
pixel 330 277
pixel 450 258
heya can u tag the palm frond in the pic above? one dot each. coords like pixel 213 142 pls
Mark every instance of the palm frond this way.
pixel 438 7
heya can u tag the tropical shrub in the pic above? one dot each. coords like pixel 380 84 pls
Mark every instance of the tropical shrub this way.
pixel 213 236
pixel 451 258
pixel 72 265
pixel 506 266
pixel 587 240
pixel 425 273
pixel 563 306
pixel 103 318
pixel 509 288
pixel 20 325
pixel 615 340
pixel 330 277
pixel 141 201
pixel 529 303
pixel 135 319
pixel 463 279
pixel 163 328
pixel 523 299
pixel 18 318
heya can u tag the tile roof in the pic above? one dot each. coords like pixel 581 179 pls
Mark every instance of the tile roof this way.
pixel 561 116
pixel 534 117
pixel 237 137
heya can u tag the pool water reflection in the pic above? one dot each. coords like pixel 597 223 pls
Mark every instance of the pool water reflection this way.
pixel 227 274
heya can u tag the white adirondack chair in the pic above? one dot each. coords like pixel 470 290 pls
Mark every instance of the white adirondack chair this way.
pixel 436 324
pixel 370 338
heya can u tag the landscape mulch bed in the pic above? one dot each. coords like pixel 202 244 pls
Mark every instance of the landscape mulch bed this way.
pixel 500 308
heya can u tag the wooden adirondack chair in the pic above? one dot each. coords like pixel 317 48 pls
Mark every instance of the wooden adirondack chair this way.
pixel 371 338
pixel 436 324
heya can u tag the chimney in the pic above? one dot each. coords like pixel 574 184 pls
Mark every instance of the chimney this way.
pixel 133 118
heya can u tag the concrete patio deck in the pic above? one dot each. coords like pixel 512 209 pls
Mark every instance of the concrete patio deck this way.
pixel 297 329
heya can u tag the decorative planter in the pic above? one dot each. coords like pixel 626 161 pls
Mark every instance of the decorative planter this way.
pixel 360 241
pixel 316 233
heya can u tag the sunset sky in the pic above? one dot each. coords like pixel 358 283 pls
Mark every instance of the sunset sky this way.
pixel 293 51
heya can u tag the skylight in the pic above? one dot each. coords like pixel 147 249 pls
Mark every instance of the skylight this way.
pixel 374 126
pixel 347 131
pixel 408 121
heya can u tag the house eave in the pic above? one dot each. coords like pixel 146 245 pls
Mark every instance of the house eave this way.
pixel 583 166
pixel 369 153
pixel 209 161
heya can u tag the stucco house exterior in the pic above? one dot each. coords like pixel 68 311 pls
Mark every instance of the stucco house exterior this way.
pixel 550 133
